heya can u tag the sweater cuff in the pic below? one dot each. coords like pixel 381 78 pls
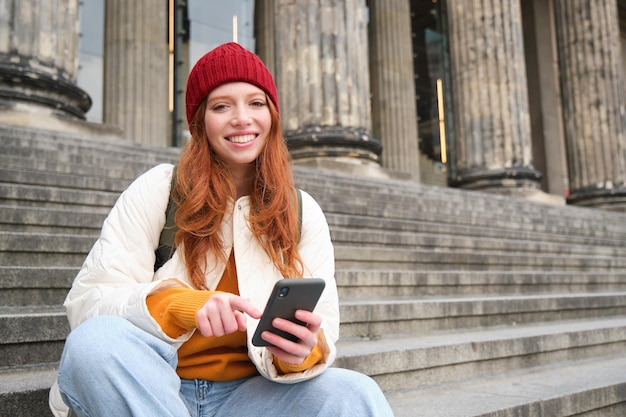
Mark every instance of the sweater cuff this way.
pixel 314 358
pixel 175 309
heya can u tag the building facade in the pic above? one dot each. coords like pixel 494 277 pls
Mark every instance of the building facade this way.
pixel 509 96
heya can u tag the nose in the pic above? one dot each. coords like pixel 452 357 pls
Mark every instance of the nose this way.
pixel 241 116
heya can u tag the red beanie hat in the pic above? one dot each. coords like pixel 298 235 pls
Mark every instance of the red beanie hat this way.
pixel 227 63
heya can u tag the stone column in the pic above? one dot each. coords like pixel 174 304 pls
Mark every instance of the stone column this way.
pixel 594 102
pixel 136 70
pixel 38 57
pixel 492 126
pixel 394 113
pixel 264 33
pixel 321 70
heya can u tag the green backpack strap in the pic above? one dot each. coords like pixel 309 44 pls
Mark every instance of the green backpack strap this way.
pixel 299 195
pixel 166 247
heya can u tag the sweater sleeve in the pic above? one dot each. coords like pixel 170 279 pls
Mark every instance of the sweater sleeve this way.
pixel 174 309
pixel 314 358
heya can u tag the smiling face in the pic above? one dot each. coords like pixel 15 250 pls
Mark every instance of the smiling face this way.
pixel 237 122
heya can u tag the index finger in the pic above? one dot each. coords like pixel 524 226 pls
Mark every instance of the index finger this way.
pixel 245 306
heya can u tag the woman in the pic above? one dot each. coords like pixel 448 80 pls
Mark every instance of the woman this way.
pixel 177 342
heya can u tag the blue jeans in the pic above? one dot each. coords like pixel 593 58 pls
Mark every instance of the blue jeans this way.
pixel 110 367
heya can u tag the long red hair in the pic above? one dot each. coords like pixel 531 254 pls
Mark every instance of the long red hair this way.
pixel 205 192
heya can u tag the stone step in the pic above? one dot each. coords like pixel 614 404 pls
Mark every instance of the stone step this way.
pixel 24 391
pixel 446 238
pixel 21 195
pixel 339 221
pixel 366 257
pixel 45 243
pixel 103 168
pixel 30 286
pixel 59 250
pixel 594 387
pixel 71 181
pixel 31 335
pixel 375 318
pixel 87 153
pixel 373 283
pixel 69 143
pixel 418 361
pixel 50 220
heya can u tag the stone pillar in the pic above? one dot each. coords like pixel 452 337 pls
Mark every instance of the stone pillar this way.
pixel 321 70
pixel 394 113
pixel 38 57
pixel 264 33
pixel 594 102
pixel 136 70
pixel 492 126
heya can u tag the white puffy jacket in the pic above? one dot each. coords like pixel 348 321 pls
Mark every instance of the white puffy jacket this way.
pixel 118 274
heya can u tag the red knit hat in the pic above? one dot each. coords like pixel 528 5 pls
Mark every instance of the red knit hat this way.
pixel 227 63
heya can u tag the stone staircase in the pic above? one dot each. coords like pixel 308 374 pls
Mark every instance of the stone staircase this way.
pixel 456 303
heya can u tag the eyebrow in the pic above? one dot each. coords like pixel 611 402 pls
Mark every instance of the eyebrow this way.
pixel 229 96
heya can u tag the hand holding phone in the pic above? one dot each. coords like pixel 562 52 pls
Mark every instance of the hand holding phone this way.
pixel 288 296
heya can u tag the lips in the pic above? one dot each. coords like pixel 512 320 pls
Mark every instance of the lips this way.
pixel 241 138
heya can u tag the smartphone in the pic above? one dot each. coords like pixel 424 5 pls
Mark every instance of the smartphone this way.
pixel 288 296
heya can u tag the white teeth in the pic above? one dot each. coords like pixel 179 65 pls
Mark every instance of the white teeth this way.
pixel 241 139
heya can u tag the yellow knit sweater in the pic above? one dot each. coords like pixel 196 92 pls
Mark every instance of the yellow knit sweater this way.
pixel 210 358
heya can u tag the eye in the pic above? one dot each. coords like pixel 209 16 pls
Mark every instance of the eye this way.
pixel 258 103
pixel 219 107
